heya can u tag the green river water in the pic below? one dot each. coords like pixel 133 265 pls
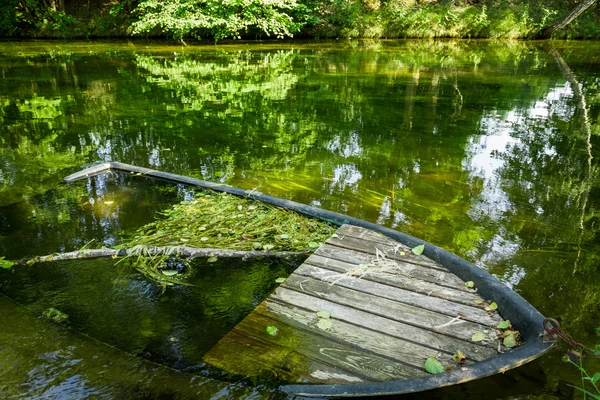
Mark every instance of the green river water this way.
pixel 488 149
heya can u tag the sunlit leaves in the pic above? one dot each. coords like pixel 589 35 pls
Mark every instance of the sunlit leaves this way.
pixel 504 325
pixel 418 250
pixel 182 18
pixel 433 366
pixel 6 264
pixel 510 340
pixel 272 330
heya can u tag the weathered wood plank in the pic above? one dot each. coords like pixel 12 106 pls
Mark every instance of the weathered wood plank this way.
pixel 374 341
pixel 250 356
pixel 390 251
pixel 442 306
pixel 390 327
pixel 384 324
pixel 442 278
pixel 387 275
pixel 247 356
pixel 344 359
pixel 371 303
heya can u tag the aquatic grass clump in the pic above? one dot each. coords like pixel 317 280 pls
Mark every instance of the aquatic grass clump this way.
pixel 219 221
pixel 227 222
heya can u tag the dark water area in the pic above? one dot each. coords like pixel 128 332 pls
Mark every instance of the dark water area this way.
pixel 488 149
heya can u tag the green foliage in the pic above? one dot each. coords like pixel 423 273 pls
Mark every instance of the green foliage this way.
pixel 221 19
pixel 29 17
pixel 433 366
pixel 589 380
pixel 6 264
pixel 228 222
pixel 55 315
pixel 283 18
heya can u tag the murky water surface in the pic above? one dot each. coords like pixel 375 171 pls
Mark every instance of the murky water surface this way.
pixel 489 149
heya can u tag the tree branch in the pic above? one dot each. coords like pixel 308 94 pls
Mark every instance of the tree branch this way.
pixel 151 251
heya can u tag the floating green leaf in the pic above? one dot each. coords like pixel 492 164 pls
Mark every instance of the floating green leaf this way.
pixel 469 284
pixel 419 249
pixel 433 366
pixel 55 315
pixel 280 280
pixel 272 330
pixel 169 272
pixel 313 245
pixel 324 314
pixel 478 337
pixel 504 325
pixel 491 307
pixel 324 324
pixel 510 341
pixel 212 259
pixel 5 263
pixel 459 357
pixel 478 301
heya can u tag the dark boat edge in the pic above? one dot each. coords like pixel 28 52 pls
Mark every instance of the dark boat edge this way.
pixel 523 316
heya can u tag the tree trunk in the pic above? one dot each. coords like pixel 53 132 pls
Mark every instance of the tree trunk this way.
pixel 61 5
pixel 576 12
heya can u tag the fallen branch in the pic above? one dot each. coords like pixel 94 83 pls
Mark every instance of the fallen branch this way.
pixel 151 251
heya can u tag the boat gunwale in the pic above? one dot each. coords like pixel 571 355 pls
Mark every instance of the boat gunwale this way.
pixel 523 316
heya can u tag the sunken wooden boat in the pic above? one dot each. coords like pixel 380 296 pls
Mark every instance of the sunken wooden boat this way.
pixel 363 313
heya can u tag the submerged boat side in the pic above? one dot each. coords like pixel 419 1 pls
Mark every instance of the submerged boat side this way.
pixel 524 317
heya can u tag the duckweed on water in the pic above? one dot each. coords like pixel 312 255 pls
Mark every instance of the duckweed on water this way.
pixel 227 222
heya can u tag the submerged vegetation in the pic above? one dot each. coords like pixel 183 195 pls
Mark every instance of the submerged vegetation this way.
pixel 251 19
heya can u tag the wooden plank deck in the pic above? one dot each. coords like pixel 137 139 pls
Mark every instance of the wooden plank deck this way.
pixel 389 310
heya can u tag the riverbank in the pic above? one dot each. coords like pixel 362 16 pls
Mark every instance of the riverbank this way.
pixel 301 19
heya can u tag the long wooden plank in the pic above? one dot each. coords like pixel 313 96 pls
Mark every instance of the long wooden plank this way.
pixel 376 342
pixel 388 276
pixel 442 306
pixel 400 312
pixel 387 326
pixel 442 278
pixel 247 356
pixel 324 347
pixel 390 251
pixel 356 236
pixel 342 359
